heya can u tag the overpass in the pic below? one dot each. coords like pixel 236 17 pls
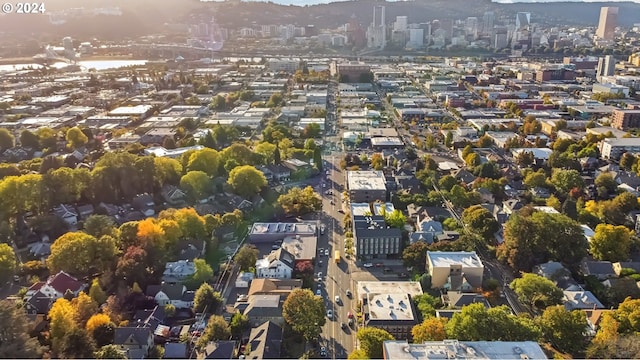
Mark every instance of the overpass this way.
pixel 50 56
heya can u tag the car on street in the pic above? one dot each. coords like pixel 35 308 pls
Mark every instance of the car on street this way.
pixel 332 202
pixel 337 299
pixel 350 315
pixel 323 351
pixel 343 326
pixel 319 292
pixel 350 322
pixel 326 252
pixel 320 275
pixel 367 265
pixel 341 211
pixel 349 294
pixel 321 250
pixel 330 314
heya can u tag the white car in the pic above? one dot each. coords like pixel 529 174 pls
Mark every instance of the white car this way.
pixel 330 314
pixel 368 265
pixel 326 252
pixel 337 299
pixel 319 292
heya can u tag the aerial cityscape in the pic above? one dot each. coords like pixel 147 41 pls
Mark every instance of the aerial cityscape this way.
pixel 370 179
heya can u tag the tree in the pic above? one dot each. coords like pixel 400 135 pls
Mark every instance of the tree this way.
pixel 536 291
pixel 564 329
pixel 317 158
pixel 205 160
pixel 473 159
pixel 76 138
pixel 205 299
pixel 371 341
pixel 246 180
pixel 266 150
pixel 8 263
pixel 426 304
pixel 377 161
pixel 565 180
pixel 80 254
pixel 133 265
pixel 431 329
pixel 29 140
pixel 305 313
pixel 246 257
pixel 448 139
pixel 96 321
pixel 84 307
pixel 99 225
pixel 196 183
pixel 481 221
pixel 217 329
pixel 202 274
pixel 169 310
pixel 525 158
pixel 610 243
pixel 61 320
pixel 15 341
pixel 476 323
pixel 415 255
pixel 299 201
pixel 395 219
pixel 239 323
pixel 110 352
pixel 96 293
pixel 606 181
pixel 76 344
pixel 6 139
pixel 536 179
pixel 627 160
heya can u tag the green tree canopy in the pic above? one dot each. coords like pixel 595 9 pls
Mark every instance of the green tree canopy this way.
pixel 431 329
pixel 203 274
pixel 246 180
pixel 476 323
pixel 206 299
pixel 480 221
pixel 564 329
pixel 81 254
pixel 205 160
pixel 299 201
pixel 16 342
pixel 7 140
pixel 246 257
pixel 305 313
pixel 415 255
pixel 536 291
pixel 8 263
pixel 76 138
pixel 610 243
pixel 197 184
pixel 371 340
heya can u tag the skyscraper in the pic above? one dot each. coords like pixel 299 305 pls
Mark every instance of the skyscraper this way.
pixel 400 24
pixel 606 66
pixel 523 20
pixel 487 22
pixel 377 31
pixel 608 22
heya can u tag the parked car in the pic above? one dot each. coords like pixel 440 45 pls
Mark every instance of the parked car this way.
pixel 350 322
pixel 367 265
pixel 343 326
pixel 323 351
pixel 349 294
pixel 326 252
pixel 319 292
pixel 337 299
pixel 330 314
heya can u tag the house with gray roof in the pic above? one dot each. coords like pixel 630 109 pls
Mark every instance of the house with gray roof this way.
pixel 279 264
pixel 134 341
pixel 265 341
pixel 427 231
pixel 261 308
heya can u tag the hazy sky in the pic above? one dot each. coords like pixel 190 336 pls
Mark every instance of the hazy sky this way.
pixel 312 2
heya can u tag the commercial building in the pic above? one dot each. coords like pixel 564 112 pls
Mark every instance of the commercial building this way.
pixel 446 267
pixel 608 22
pixel 266 232
pixel 388 305
pixel 625 119
pixel 352 72
pixel 374 239
pixel 606 66
pixel 454 349
pixel 614 148
pixel 366 186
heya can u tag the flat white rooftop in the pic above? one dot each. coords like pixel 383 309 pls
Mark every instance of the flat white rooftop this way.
pixel 395 307
pixel 366 180
pixel 290 228
pixel 412 288
pixel 447 258
pixel 454 349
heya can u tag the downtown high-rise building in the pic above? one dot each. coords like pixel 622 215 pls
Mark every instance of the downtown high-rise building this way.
pixel 377 31
pixel 523 20
pixel 606 67
pixel 608 22
pixel 488 20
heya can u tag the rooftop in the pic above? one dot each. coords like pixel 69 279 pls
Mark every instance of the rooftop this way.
pixel 284 228
pixel 448 258
pixel 366 180
pixel 454 349
pixel 396 307
pixel 411 288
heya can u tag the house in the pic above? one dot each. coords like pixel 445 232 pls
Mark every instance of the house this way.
pixel 486 195
pixel 66 213
pixel 85 211
pixel 265 341
pixel 56 286
pixel 38 303
pixel 145 204
pixel 261 308
pixel 280 172
pixel 274 286
pixel 633 265
pixel 557 273
pixel 173 195
pixel 40 249
pixel 278 264
pixel 244 279
pixel 448 269
pixel 171 293
pixel 149 318
pixel 540 192
pixel 428 230
pixel 175 351
pixel 134 341
pixel 602 270
pixel 581 300
pixel 218 350
pixel 178 271
pixel 464 176
pixel 512 205
pixel 459 299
